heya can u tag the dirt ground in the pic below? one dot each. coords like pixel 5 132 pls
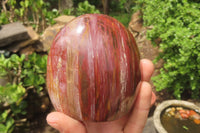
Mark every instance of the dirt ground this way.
pixel 39 124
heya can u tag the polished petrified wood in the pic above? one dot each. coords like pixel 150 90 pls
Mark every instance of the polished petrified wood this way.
pixel 93 69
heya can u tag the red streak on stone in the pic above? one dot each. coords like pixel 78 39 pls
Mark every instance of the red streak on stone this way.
pixel 106 59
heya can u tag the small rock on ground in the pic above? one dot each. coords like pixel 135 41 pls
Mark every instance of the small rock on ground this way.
pixel 12 32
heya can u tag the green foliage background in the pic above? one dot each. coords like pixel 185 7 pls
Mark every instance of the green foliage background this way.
pixel 24 75
pixel 177 24
pixel 41 13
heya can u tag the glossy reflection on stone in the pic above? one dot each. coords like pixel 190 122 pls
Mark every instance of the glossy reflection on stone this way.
pixel 93 69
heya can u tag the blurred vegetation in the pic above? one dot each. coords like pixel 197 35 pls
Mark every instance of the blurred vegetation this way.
pixel 177 24
pixel 85 7
pixel 41 13
pixel 25 76
pixel 124 18
pixel 36 13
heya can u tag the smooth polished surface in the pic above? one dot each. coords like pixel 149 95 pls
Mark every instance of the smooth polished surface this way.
pixel 93 69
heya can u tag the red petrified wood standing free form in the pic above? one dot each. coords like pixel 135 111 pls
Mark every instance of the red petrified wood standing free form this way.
pixel 93 69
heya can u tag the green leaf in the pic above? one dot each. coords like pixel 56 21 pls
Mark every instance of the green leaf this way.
pixel 21 3
pixel 8 127
pixel 185 127
pixel 10 124
pixel 11 93
pixel 26 3
pixel 3 128
pixel 4 115
pixel 86 7
pixel 21 12
pixel 29 79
